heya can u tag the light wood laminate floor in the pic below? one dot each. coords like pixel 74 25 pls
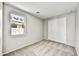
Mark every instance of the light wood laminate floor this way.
pixel 45 48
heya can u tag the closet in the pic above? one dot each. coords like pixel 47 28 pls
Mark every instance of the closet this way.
pixel 62 29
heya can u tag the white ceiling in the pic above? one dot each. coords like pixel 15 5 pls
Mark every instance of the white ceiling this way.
pixel 46 9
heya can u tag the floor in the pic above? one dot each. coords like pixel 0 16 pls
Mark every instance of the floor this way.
pixel 45 48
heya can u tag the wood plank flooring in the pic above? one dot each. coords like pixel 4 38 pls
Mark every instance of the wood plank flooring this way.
pixel 45 48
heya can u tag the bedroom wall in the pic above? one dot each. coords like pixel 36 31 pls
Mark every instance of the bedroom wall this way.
pixel 33 33
pixel 45 29
pixel 0 28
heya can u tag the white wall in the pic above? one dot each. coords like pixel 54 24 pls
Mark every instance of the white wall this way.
pixel 33 27
pixel 57 29
pixel 77 30
pixel 45 29
pixel 0 28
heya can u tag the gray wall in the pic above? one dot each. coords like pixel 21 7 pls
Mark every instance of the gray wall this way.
pixel 45 29
pixel 33 33
pixel 0 28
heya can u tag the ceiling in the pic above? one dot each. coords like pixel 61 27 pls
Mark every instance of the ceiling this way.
pixel 46 10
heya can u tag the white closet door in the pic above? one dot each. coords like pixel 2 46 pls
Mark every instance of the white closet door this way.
pixel 52 29
pixel 61 30
pixel 57 30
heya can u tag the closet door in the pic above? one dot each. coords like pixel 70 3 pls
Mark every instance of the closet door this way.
pixel 57 29
pixel 52 29
pixel 61 30
pixel 70 25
